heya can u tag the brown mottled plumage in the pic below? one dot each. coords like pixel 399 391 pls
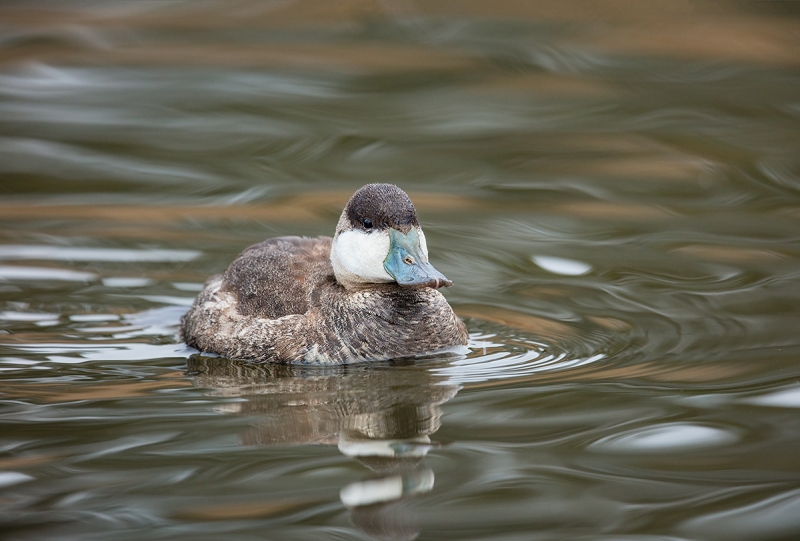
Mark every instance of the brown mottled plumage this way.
pixel 281 301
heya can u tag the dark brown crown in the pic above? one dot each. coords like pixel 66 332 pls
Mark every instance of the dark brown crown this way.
pixel 383 206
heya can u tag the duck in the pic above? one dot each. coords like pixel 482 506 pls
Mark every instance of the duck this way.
pixel 369 293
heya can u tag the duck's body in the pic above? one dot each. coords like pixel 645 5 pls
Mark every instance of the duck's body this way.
pixel 328 301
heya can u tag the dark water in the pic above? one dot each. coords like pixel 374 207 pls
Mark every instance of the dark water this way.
pixel 613 186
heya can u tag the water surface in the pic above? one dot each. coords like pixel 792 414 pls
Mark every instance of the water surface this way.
pixel 613 186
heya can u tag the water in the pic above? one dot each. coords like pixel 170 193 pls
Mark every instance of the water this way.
pixel 613 186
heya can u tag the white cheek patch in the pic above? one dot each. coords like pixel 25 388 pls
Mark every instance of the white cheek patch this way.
pixel 423 244
pixel 361 255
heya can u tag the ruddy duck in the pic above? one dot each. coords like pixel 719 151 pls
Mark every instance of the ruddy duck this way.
pixel 369 293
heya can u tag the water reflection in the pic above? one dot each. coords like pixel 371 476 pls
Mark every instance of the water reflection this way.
pixel 382 416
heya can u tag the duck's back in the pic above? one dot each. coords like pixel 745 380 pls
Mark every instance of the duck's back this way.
pixel 277 277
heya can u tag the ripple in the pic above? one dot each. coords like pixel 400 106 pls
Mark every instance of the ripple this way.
pixel 157 322
pixel 771 518
pixel 9 478
pixel 126 282
pixel 39 273
pixel 665 438
pixel 74 253
pixel 9 315
pixel 561 265
pixel 65 353
pixel 784 398
pixel 40 80
pixel 504 357
pixel 60 160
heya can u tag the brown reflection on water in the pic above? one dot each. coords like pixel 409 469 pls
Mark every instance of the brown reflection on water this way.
pixel 325 57
pixel 653 168
pixel 54 393
pixel 751 32
pixel 159 214
pixel 605 210
pixel 244 510
pixel 664 372
pixel 25 461
pixel 537 325
pixel 733 31
pixel 302 207
pixel 733 254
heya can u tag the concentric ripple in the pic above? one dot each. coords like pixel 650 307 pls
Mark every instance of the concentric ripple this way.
pixel 507 345
pixel 493 359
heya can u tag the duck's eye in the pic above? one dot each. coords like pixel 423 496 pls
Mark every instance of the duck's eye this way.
pixel 367 223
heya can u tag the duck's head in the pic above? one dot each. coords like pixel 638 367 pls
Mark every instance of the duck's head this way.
pixel 379 240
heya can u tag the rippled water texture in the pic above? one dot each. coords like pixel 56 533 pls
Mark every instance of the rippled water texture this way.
pixel 612 185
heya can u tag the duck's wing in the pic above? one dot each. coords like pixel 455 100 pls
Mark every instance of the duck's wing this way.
pixel 277 277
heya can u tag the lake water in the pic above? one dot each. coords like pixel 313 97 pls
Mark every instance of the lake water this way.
pixel 613 186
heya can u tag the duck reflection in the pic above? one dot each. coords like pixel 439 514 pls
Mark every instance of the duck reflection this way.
pixel 381 415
